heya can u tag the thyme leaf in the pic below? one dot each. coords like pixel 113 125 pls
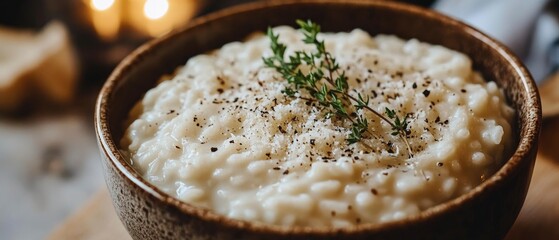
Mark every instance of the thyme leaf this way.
pixel 327 84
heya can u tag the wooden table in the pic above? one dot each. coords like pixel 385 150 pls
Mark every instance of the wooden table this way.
pixel 539 218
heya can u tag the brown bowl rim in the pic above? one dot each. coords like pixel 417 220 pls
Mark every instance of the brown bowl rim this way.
pixel 521 153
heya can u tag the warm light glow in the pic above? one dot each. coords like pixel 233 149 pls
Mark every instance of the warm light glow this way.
pixel 156 17
pixel 102 5
pixel 155 9
pixel 106 17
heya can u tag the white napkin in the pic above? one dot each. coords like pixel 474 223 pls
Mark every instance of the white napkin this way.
pixel 528 27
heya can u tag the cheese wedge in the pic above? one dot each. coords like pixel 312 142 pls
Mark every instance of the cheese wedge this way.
pixel 36 66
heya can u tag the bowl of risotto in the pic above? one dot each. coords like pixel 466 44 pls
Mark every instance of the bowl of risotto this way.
pixel 319 120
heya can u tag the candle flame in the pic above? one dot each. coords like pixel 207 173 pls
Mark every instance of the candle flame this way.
pixel 101 5
pixel 155 9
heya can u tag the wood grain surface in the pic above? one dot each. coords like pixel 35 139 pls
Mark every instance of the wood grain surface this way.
pixel 538 219
pixel 96 220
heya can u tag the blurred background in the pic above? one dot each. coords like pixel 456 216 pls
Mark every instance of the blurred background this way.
pixel 56 54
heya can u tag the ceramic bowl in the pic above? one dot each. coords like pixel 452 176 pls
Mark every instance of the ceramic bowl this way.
pixel 486 212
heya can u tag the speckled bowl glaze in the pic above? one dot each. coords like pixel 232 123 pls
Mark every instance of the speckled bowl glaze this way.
pixel 486 212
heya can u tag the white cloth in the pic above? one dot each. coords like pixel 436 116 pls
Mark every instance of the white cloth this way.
pixel 527 27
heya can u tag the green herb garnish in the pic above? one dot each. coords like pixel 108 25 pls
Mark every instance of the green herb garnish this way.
pixel 327 84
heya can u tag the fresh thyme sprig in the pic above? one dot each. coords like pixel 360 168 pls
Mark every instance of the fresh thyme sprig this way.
pixel 327 84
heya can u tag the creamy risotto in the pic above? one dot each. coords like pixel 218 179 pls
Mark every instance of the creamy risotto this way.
pixel 220 134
